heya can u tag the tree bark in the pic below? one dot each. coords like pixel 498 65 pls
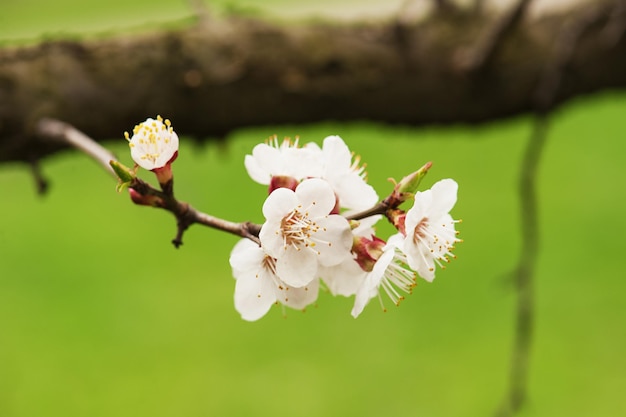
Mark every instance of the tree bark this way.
pixel 224 74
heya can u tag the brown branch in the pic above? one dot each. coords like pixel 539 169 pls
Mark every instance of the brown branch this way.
pixel 55 130
pixel 235 72
pixel 67 134
pixel 145 194
pixel 483 53
pixel 567 43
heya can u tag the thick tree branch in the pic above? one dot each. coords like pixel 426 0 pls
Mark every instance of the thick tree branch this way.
pixel 487 47
pixel 225 74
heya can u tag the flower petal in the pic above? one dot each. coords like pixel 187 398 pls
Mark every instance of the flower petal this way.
pixel 343 279
pixel 316 196
pixel 255 294
pixel 245 256
pixel 256 171
pixel 333 240
pixel 299 298
pixel 296 268
pixel 280 203
pixel 444 196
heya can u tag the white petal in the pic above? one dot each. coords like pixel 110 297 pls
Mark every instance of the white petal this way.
pixel 343 279
pixel 334 240
pixel 153 144
pixel 365 293
pixel 272 239
pixel 444 196
pixel 267 157
pixel 255 294
pixel 279 203
pixel 420 259
pixel 420 210
pixel 336 152
pixel 299 298
pixel 246 256
pixel 316 196
pixel 297 268
pixel 303 163
pixel 255 171
pixel 354 193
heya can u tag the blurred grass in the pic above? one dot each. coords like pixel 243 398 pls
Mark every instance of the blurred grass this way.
pixel 101 316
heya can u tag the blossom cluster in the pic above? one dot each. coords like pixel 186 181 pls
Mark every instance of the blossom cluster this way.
pixel 307 240
pixel 319 229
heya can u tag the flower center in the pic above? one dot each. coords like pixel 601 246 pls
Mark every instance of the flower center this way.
pixel 420 233
pixel 269 264
pixel 298 229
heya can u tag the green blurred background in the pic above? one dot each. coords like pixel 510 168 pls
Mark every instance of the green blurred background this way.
pixel 101 316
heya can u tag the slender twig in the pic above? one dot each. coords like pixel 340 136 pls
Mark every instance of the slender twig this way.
pixel 380 208
pixel 64 133
pixel 186 215
pixel 145 194
pixel 524 273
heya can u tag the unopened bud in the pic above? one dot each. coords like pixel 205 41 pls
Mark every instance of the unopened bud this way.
pixel 282 181
pixel 367 251
pixel 145 199
pixel 124 174
pixel 407 187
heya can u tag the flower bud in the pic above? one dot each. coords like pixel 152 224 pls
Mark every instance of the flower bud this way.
pixel 124 174
pixel 145 199
pixel 407 187
pixel 282 181
pixel 397 217
pixel 367 251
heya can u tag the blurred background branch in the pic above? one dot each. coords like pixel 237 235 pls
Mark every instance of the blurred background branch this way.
pixel 230 72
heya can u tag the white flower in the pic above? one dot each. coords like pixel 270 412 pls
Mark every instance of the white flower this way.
pixel 284 159
pixel 258 286
pixel 430 233
pixel 391 273
pixel 154 143
pixel 299 233
pixel 343 279
pixel 346 176
pixel 347 277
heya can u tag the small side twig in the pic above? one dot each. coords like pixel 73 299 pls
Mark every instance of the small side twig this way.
pixel 64 133
pixel 143 193
pixel 186 215
pixel 524 273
